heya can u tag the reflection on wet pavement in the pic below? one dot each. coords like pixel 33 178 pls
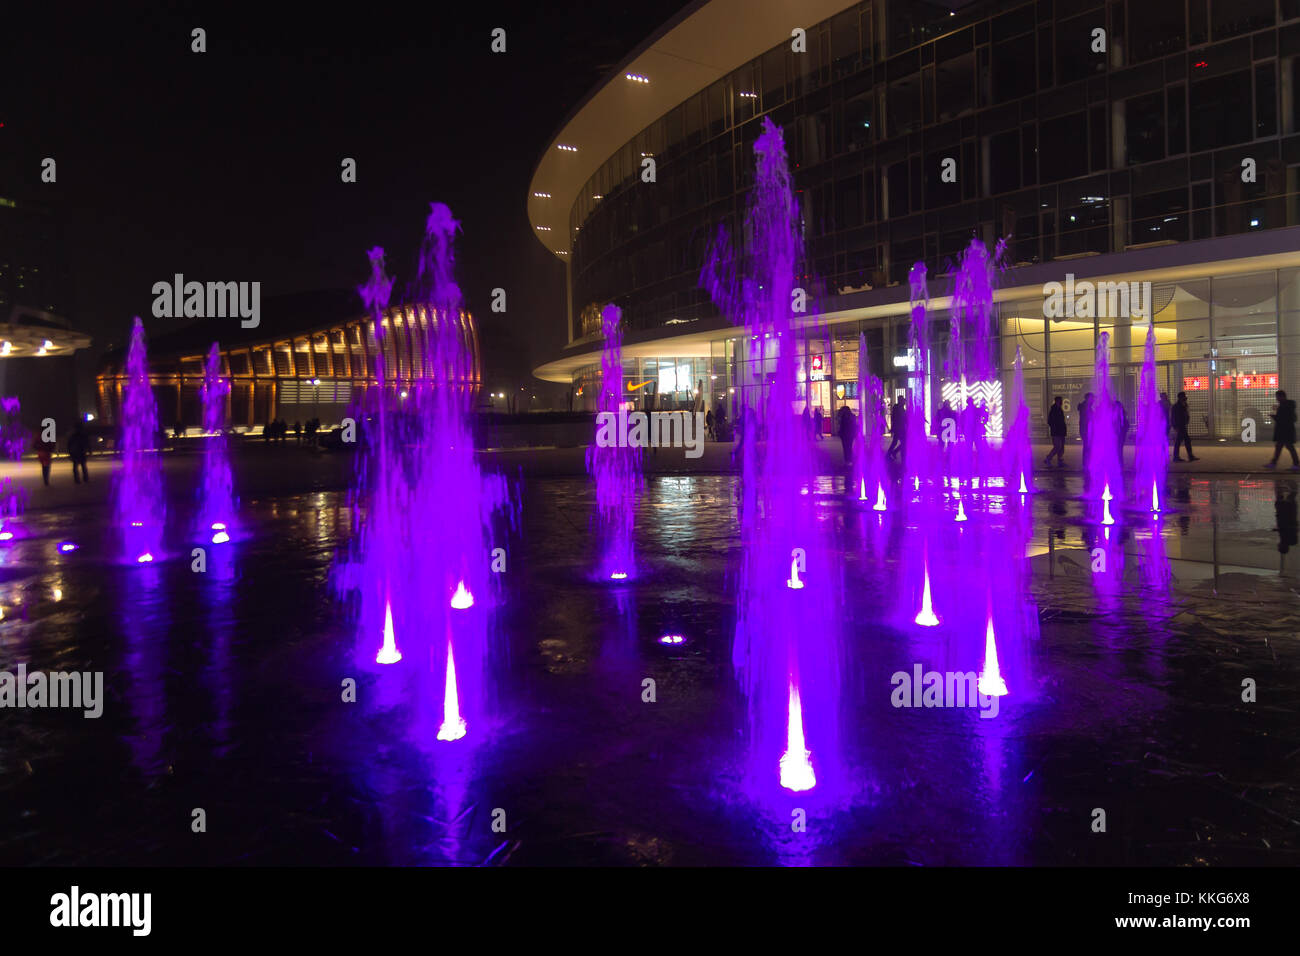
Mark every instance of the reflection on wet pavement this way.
pixel 224 692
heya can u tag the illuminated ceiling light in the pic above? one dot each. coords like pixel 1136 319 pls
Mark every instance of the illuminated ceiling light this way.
pixel 598 196
pixel 647 154
pixel 566 147
pixel 47 344
pixel 543 228
pixel 6 348
pixel 636 77
pixel 542 195
pixel 749 96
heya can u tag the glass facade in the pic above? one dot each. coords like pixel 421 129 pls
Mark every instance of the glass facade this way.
pixel 1066 150
pixel 1229 341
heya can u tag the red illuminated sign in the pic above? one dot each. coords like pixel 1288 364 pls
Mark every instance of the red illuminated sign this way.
pixel 1257 380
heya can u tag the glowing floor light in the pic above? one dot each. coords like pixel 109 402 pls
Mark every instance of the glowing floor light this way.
pixel 462 599
pixel 926 616
pixel 388 653
pixel 796 769
pixel 1105 506
pixel 961 511
pixel 794 583
pixel 6 535
pixel 221 537
pixel 144 558
pixel 67 546
pixel 880 497
pixel 618 576
pixel 990 680
pixel 672 639
pixel 453 727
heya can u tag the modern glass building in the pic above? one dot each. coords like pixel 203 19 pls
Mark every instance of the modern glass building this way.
pixel 313 355
pixel 1133 140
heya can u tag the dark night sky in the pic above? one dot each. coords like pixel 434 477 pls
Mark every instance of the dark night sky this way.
pixel 225 166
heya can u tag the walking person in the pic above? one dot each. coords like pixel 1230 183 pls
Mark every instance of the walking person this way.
pixel 1121 429
pixel 78 448
pixel 1056 428
pixel 44 457
pixel 817 423
pixel 848 430
pixel 1284 431
pixel 1085 424
pixel 1165 410
pixel 1181 416
pixel 897 427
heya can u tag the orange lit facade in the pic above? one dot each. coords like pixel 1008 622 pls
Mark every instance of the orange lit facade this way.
pixel 321 373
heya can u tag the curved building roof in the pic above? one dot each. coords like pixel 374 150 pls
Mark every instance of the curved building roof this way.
pixel 703 43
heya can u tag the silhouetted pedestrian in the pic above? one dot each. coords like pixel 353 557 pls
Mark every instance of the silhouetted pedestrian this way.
pixel 1085 426
pixel 1056 428
pixel 78 448
pixel 44 456
pixel 897 428
pixel 848 430
pixel 1181 416
pixel 817 423
pixel 1284 431
pixel 1119 416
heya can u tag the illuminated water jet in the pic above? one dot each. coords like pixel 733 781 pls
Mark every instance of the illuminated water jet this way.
pixel 795 766
pixel 388 653
pixel 139 504
pixel 216 494
pixel 794 583
pixel 453 726
pixel 990 680
pixel 462 599
pixel 926 616
pixel 880 498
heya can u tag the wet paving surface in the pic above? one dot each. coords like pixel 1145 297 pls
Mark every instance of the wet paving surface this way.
pixel 224 692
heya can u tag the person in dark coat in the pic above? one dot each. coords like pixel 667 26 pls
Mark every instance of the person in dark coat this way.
pixel 1121 427
pixel 848 430
pixel 1284 431
pixel 897 428
pixel 1181 416
pixel 1056 428
pixel 78 448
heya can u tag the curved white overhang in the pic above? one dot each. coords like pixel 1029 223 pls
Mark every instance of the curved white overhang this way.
pixel 702 44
